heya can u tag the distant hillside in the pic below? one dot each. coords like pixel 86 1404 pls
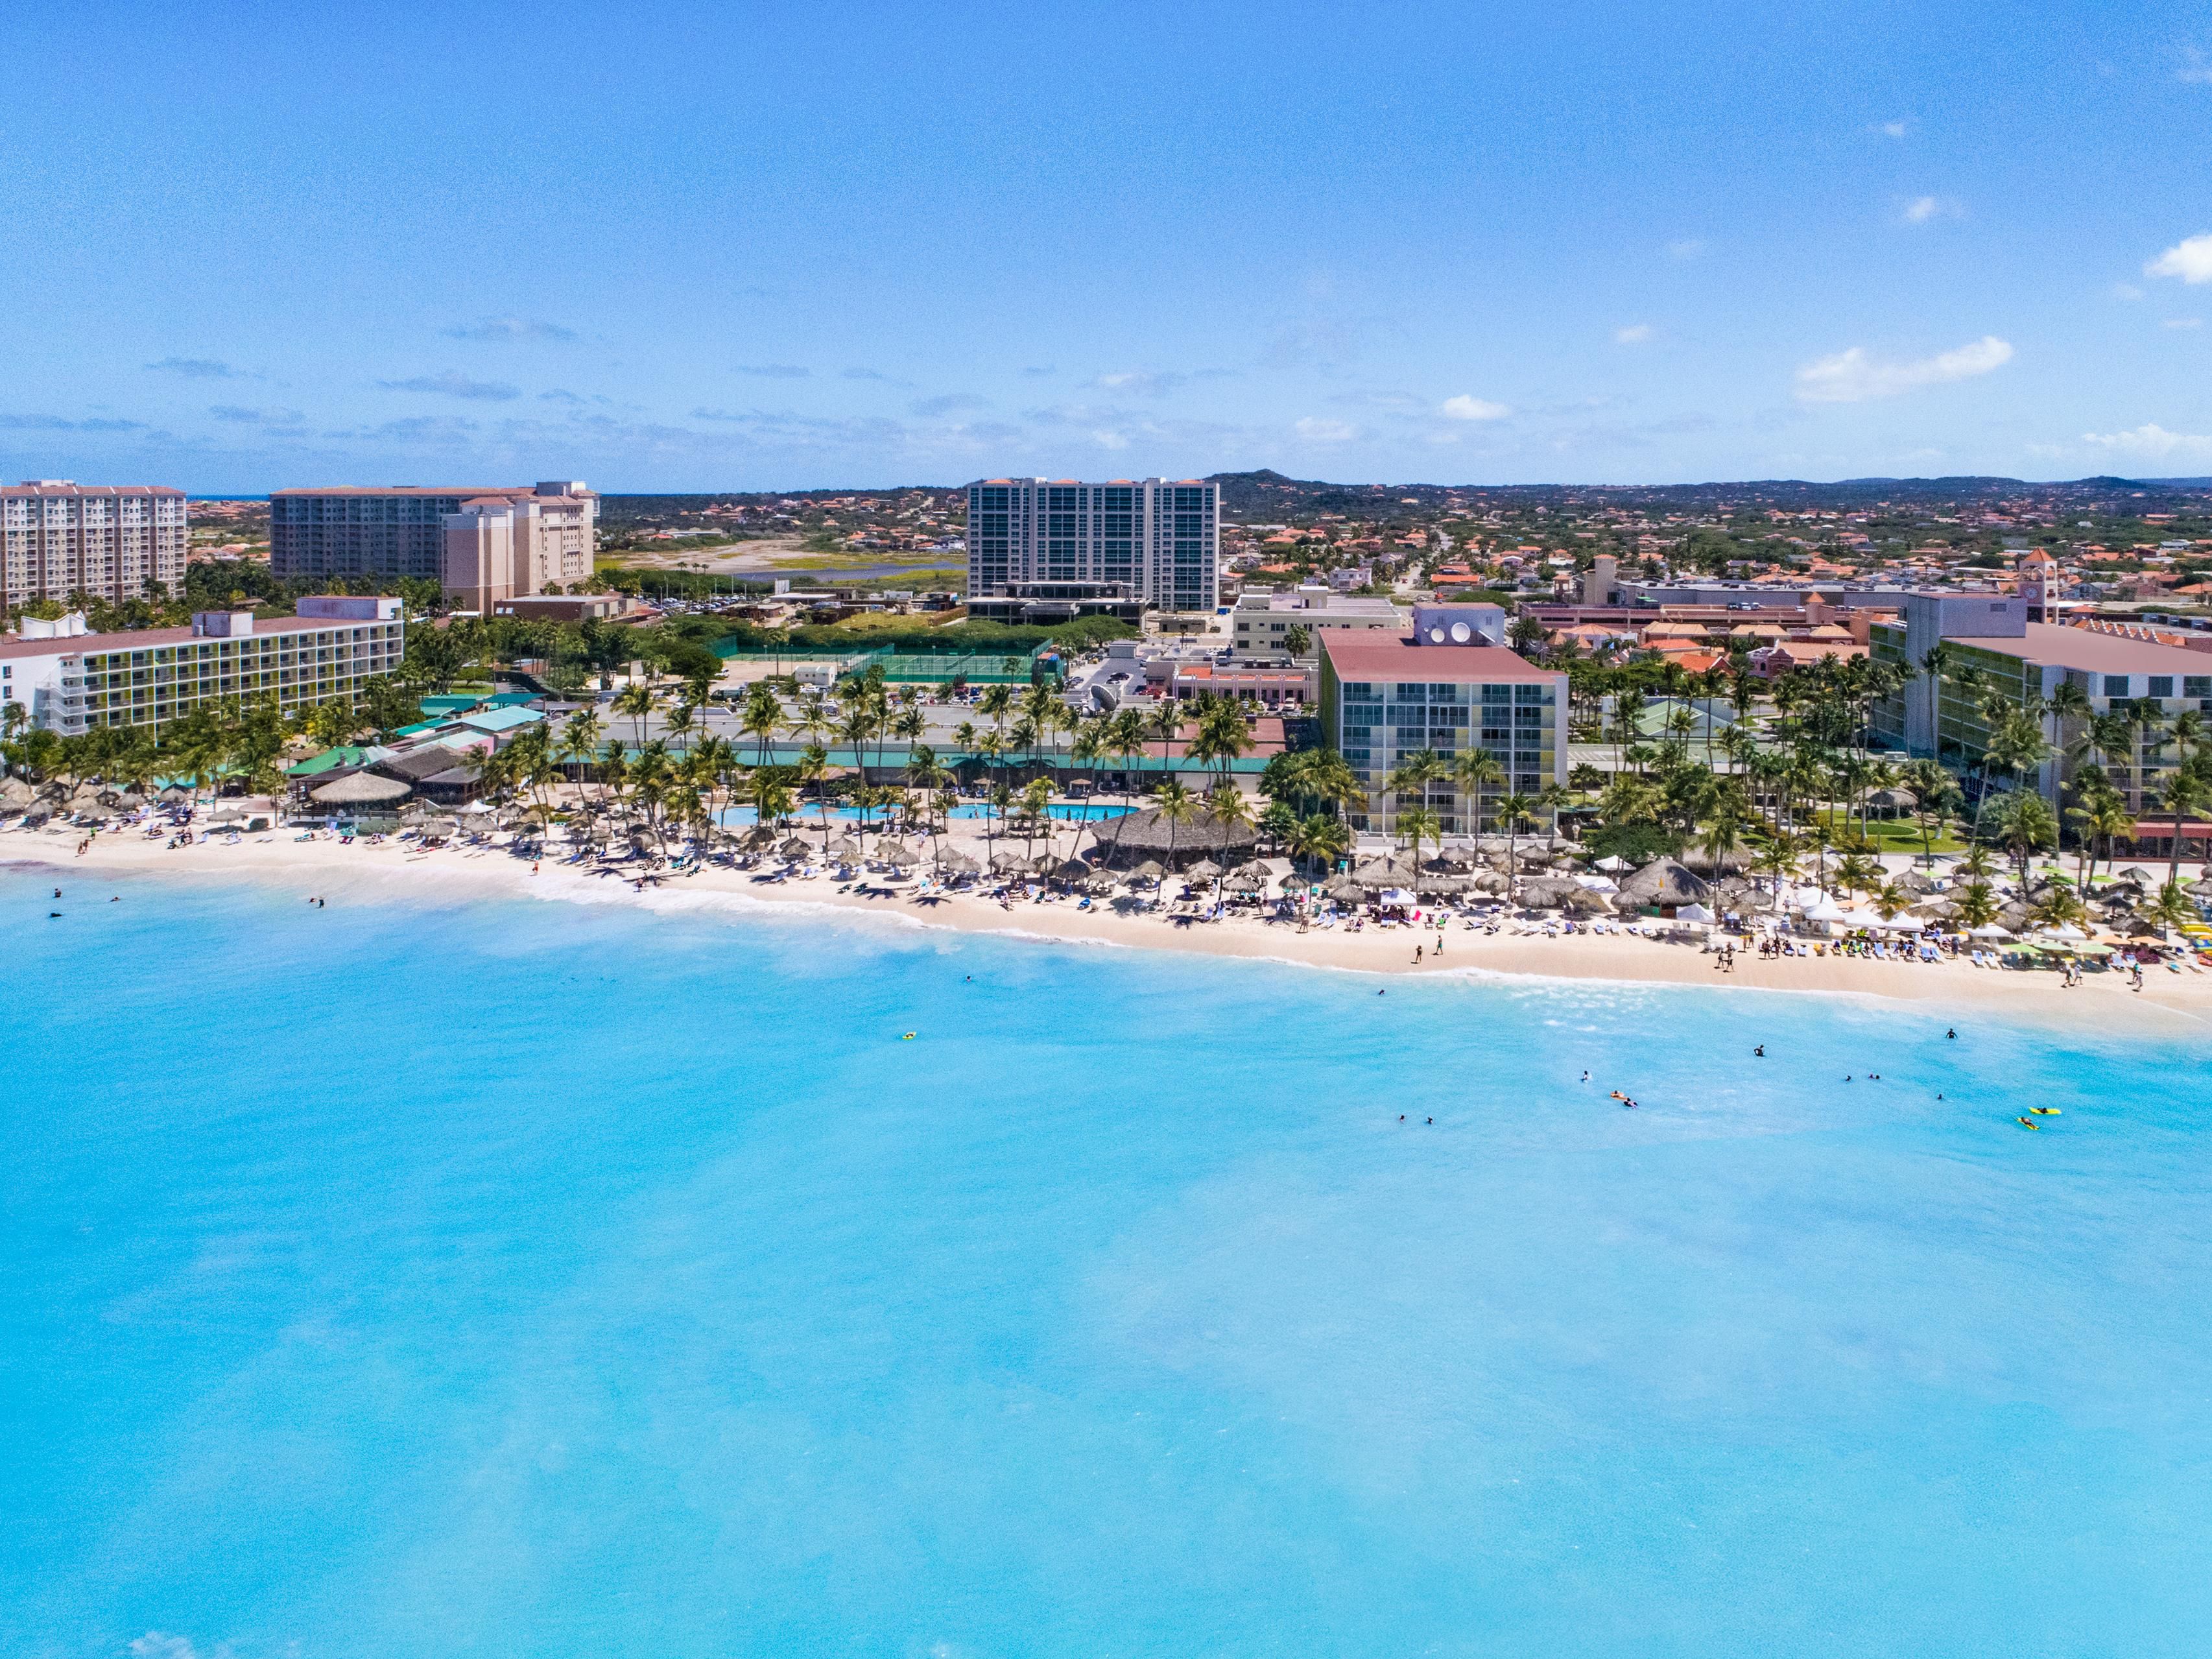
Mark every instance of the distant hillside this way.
pixel 1267 493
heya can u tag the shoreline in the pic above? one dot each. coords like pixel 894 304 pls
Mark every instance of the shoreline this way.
pixel 2174 1004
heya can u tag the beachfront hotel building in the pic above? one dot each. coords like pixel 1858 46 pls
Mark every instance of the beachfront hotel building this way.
pixel 549 532
pixel 69 679
pixel 2024 662
pixel 1385 697
pixel 1156 540
pixel 109 542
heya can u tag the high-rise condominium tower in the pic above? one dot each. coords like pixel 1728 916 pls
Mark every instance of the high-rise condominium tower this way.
pixel 110 541
pixel 1159 538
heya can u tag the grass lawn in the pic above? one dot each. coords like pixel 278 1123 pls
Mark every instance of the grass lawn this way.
pixel 1891 834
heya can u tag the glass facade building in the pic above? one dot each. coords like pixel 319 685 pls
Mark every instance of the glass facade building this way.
pixel 1158 538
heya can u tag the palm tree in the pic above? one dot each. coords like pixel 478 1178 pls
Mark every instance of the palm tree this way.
pixel 2026 824
pixel 1859 872
pixel 1777 859
pixel 1890 899
pixel 2101 813
pixel 1037 813
pixel 2171 907
pixel 1976 904
pixel 681 719
pixel 1724 835
pixel 1175 806
pixel 1933 792
pixel 813 766
pixel 760 717
pixel 1420 824
pixel 2182 792
pixel 2068 701
pixel 1549 799
pixel 2059 906
pixel 1411 776
pixel 634 703
pixel 1164 725
pixel 1933 662
pixel 1473 771
pixel 927 776
pixel 1516 811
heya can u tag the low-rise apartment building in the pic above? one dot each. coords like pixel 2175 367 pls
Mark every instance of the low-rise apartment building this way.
pixel 1384 698
pixel 113 542
pixel 1265 623
pixel 69 679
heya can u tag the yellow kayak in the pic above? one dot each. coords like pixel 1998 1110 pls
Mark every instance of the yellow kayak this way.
pixel 2027 1123
pixel 2045 1111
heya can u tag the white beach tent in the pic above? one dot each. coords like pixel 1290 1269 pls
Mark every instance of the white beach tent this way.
pixel 1826 911
pixel 1613 863
pixel 1693 913
pixel 1993 931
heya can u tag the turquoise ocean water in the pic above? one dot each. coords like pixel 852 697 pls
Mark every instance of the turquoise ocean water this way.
pixel 515 1279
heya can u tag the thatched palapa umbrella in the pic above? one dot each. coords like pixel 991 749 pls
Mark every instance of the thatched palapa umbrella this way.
pixel 842 848
pixel 895 852
pixel 795 849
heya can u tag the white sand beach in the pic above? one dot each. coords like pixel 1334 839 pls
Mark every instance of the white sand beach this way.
pixel 392 870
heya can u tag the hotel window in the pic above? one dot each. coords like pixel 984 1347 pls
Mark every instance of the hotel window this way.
pixel 2116 685
pixel 2196 685
pixel 2160 685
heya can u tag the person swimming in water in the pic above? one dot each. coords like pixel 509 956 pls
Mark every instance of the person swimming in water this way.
pixel 1759 1053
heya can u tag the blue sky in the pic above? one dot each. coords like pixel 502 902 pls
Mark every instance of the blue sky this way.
pixel 670 247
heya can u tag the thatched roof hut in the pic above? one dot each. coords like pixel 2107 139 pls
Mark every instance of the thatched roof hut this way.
pixel 361 789
pixel 1148 835
pixel 1663 881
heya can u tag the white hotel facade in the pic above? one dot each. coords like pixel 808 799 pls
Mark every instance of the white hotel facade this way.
pixel 68 679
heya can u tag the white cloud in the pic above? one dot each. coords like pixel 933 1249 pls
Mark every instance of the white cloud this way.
pixel 450 384
pixel 2190 259
pixel 1892 128
pixel 1110 440
pixel 2184 322
pixel 1634 334
pixel 2126 291
pixel 2196 68
pixel 1315 430
pixel 2150 439
pixel 1852 377
pixel 1464 408
pixel 1688 248
pixel 510 328
pixel 160 1644
pixel 1921 209
pixel 1142 382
